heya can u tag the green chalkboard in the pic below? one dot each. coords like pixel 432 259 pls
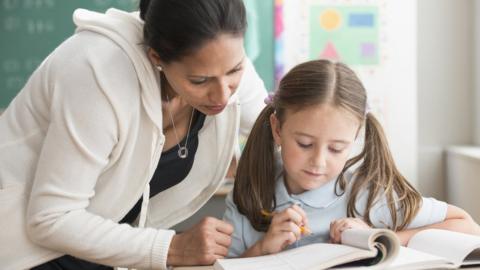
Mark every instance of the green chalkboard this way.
pixel 264 63
pixel 31 29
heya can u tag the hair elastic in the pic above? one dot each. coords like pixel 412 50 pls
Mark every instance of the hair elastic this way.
pixel 368 109
pixel 269 99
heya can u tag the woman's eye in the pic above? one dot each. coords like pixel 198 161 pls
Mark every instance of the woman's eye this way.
pixel 199 81
pixel 235 70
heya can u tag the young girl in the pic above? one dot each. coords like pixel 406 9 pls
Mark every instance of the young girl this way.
pixel 294 186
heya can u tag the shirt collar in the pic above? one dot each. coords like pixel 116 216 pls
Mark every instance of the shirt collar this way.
pixel 321 197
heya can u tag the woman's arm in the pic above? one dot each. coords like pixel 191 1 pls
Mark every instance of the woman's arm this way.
pixel 456 219
pixel 85 127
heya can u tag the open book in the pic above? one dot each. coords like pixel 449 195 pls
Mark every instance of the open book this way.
pixel 433 249
pixel 376 248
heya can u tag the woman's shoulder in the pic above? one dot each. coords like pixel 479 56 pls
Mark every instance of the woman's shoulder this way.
pixel 251 86
pixel 92 50
pixel 88 58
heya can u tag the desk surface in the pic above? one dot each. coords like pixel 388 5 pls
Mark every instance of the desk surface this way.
pixel 211 268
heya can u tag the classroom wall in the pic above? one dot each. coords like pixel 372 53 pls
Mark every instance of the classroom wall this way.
pixel 476 70
pixel 445 86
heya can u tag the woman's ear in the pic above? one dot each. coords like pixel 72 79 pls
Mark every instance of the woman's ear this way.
pixel 275 125
pixel 154 57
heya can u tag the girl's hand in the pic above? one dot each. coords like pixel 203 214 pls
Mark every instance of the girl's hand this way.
pixel 338 226
pixel 285 229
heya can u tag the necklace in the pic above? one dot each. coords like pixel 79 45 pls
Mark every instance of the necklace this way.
pixel 182 150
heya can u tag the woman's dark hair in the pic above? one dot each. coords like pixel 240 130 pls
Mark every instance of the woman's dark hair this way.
pixel 176 28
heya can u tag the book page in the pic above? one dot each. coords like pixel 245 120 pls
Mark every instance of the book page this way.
pixel 409 258
pixel 360 247
pixel 473 258
pixel 385 241
pixel 314 256
pixel 452 246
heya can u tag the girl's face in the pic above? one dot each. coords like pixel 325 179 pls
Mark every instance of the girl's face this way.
pixel 207 78
pixel 316 143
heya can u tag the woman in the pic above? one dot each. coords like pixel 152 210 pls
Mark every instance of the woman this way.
pixel 126 129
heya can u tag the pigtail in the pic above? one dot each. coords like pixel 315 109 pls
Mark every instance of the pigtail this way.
pixel 379 173
pixel 254 188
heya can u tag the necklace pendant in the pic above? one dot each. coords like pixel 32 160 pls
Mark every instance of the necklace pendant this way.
pixel 182 152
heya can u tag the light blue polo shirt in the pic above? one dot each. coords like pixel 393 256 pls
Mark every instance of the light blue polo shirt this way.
pixel 322 206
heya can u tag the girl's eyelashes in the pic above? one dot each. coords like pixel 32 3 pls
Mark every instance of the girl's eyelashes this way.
pixel 304 145
pixel 337 151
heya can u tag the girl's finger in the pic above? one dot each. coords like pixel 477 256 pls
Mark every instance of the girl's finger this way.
pixel 292 227
pixel 288 215
pixel 301 212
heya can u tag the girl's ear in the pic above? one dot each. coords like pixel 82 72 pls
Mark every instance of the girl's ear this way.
pixel 275 125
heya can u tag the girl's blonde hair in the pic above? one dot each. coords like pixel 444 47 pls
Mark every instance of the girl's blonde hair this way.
pixel 315 83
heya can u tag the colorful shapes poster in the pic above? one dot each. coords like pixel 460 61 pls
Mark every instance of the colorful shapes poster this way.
pixel 344 33
pixel 349 31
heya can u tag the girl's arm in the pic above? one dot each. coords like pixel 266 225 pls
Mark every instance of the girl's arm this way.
pixel 456 219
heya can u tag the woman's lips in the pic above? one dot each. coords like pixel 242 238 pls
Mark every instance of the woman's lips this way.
pixel 216 108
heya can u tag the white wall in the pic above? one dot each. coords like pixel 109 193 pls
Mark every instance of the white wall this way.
pixel 476 70
pixel 398 84
pixel 445 86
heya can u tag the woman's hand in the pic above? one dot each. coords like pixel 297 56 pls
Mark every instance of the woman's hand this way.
pixel 285 229
pixel 201 245
pixel 337 227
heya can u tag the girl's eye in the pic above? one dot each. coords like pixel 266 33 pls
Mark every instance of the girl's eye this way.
pixel 303 145
pixel 334 150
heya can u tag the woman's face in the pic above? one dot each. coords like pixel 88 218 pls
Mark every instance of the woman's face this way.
pixel 207 78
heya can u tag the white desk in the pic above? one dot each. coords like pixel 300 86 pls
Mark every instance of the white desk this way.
pixel 211 268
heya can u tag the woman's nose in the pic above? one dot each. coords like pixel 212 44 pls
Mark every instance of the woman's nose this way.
pixel 221 93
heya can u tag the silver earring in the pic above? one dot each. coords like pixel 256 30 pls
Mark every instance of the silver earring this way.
pixel 279 148
pixel 159 68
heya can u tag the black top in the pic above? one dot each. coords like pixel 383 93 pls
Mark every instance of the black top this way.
pixel 171 169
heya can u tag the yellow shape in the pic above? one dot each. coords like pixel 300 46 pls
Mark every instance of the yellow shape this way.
pixel 330 19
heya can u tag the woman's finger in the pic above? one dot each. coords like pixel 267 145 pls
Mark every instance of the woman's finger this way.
pixel 220 250
pixel 223 239
pixel 222 226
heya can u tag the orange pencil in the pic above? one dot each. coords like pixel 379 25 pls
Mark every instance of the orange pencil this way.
pixel 303 229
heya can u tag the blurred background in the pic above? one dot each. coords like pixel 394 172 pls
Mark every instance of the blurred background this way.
pixel 419 60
